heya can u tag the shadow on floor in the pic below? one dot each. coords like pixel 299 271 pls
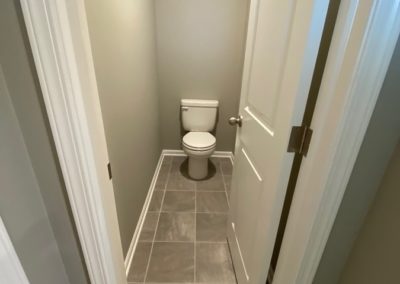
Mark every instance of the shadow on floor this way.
pixel 212 170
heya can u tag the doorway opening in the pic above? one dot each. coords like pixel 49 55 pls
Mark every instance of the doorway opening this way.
pixel 260 174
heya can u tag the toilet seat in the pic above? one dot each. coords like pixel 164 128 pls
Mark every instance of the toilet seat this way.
pixel 199 141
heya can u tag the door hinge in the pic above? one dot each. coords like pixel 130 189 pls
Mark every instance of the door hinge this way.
pixel 109 170
pixel 299 140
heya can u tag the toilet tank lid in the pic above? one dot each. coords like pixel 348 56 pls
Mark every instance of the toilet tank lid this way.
pixel 199 103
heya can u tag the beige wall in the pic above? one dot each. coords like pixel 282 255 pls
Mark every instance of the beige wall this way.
pixel 33 198
pixel 122 36
pixel 21 205
pixel 380 140
pixel 375 257
pixel 200 48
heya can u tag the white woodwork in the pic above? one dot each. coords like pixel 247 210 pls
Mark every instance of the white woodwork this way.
pixel 59 39
pixel 362 45
pixel 282 46
pixel 11 270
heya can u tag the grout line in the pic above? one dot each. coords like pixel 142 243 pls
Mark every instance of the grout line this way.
pixel 225 186
pixel 158 220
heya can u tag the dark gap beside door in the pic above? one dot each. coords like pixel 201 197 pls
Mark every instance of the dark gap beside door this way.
pixel 307 118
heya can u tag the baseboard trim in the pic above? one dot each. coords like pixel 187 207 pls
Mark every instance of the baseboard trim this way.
pixel 135 237
pixel 164 153
pixel 216 154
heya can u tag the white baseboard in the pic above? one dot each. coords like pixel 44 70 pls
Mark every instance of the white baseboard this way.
pixel 216 154
pixel 164 153
pixel 135 237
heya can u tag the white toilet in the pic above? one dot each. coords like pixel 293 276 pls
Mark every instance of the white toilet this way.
pixel 198 118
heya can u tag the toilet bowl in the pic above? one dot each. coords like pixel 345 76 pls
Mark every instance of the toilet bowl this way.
pixel 198 119
pixel 199 146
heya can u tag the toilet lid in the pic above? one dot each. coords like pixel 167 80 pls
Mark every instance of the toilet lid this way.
pixel 199 140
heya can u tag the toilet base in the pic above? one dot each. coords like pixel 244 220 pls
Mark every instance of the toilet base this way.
pixel 198 167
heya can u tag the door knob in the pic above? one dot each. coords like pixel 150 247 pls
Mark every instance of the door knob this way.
pixel 236 120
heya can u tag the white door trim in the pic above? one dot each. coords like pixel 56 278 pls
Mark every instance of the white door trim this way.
pixel 11 270
pixel 59 39
pixel 60 43
pixel 362 46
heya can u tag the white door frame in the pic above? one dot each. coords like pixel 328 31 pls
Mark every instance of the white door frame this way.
pixel 59 39
pixel 11 270
pixel 362 46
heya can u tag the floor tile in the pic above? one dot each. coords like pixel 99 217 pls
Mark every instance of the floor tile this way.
pixel 176 227
pixel 156 200
pixel 215 161
pixel 140 259
pixel 168 159
pixel 179 159
pixel 179 162
pixel 226 166
pixel 211 227
pixel 213 264
pixel 215 183
pixel 227 182
pixel 177 181
pixel 171 262
pixel 163 176
pixel 179 201
pixel 149 227
pixel 160 185
pixel 211 202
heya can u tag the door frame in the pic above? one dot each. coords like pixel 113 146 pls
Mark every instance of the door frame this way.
pixel 362 45
pixel 11 270
pixel 59 38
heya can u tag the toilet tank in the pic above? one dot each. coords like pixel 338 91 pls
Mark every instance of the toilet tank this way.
pixel 199 115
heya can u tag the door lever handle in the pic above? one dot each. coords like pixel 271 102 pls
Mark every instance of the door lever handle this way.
pixel 236 120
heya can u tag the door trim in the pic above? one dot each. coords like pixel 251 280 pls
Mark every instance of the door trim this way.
pixel 59 38
pixel 362 45
pixel 11 270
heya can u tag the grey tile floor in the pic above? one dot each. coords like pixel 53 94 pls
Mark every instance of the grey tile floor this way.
pixel 183 239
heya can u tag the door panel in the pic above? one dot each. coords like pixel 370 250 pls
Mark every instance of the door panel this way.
pixel 282 45
pixel 249 180
pixel 270 46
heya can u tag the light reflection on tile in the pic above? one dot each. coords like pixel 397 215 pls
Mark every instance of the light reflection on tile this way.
pixel 171 262
pixel 211 202
pixel 176 227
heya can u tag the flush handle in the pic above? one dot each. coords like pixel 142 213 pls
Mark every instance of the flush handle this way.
pixel 236 120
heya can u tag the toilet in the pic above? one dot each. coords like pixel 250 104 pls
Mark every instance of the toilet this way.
pixel 198 118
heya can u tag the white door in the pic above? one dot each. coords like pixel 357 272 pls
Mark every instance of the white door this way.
pixel 282 45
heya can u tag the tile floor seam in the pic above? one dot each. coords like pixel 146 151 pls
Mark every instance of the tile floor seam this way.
pixel 155 231
pixel 225 185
